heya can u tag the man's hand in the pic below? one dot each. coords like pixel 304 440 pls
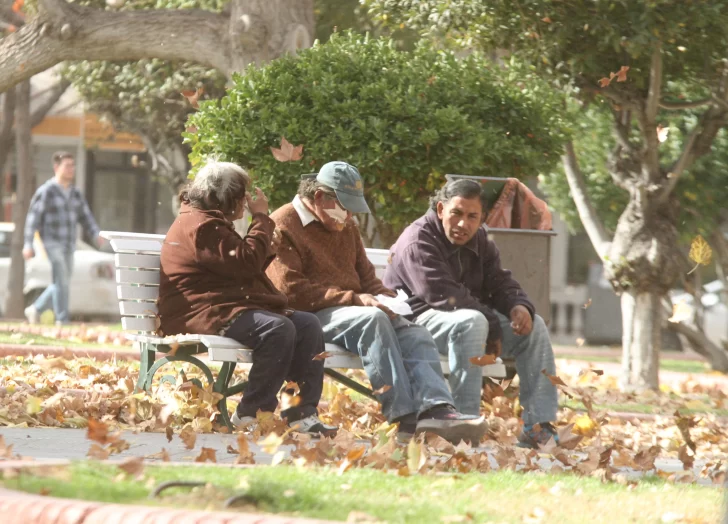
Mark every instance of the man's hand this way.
pixel 367 300
pixel 28 253
pixel 494 347
pixel 100 241
pixel 521 321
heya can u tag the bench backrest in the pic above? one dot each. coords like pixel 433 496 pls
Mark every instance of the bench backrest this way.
pixel 137 276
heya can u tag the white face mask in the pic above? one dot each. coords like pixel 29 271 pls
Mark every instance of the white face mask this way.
pixel 338 214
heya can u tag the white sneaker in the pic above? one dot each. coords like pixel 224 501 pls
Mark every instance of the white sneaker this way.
pixel 243 422
pixel 313 426
pixel 32 315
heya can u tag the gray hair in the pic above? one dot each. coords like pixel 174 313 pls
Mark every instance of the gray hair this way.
pixel 459 188
pixel 309 185
pixel 217 185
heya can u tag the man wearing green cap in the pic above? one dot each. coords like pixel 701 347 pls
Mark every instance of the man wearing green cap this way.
pixel 323 268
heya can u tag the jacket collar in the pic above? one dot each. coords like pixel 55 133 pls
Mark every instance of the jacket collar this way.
pixel 212 213
pixel 304 213
pixel 434 223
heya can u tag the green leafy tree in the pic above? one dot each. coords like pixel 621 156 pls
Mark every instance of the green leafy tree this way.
pixel 405 119
pixel 649 62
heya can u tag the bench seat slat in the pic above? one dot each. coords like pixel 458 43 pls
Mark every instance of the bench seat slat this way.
pixel 148 324
pixel 137 261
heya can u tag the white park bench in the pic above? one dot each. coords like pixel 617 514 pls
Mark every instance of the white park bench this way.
pixel 137 277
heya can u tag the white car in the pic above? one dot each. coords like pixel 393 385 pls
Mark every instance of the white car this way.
pixel 93 284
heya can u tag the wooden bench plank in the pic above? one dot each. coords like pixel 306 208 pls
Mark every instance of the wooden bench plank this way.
pixel 137 276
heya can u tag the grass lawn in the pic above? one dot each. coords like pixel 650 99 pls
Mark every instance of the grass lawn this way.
pixel 637 407
pixel 7 337
pixel 666 364
pixel 321 493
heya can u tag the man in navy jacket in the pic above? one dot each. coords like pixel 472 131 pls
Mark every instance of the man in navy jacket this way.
pixel 452 271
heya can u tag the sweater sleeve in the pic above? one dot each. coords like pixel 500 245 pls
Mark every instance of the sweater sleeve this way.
pixel 424 271
pixel 288 275
pixel 370 283
pixel 222 251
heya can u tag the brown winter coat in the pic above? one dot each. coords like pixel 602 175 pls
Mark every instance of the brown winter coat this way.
pixel 209 273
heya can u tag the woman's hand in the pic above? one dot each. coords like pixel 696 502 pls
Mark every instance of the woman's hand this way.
pixel 276 240
pixel 260 204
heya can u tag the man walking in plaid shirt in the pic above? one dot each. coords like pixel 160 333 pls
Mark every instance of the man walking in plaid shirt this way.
pixel 57 206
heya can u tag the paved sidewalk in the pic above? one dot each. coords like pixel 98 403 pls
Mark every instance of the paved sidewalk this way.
pixel 71 444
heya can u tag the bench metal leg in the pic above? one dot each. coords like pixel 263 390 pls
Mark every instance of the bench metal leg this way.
pixel 221 386
pixel 350 383
pixel 177 358
pixel 146 360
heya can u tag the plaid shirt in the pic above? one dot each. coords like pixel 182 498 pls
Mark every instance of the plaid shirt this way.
pixel 55 213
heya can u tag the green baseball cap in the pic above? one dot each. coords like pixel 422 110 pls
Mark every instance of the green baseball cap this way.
pixel 346 182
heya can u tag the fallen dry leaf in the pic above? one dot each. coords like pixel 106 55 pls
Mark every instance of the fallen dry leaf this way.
pixel 556 381
pixel 132 466
pixel 98 431
pixel 193 96
pixel 188 436
pixel 382 390
pixel 287 152
pixel 206 455
pixel 98 452
pixel 483 360
pixel 323 355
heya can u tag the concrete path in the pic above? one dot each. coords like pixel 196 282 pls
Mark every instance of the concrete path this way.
pixel 72 444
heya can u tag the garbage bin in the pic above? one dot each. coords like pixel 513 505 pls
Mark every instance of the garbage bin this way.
pixel 525 252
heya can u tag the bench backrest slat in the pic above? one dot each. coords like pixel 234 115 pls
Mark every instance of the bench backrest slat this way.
pixel 146 324
pixel 137 276
pixel 128 292
pixel 131 245
pixel 137 261
pixel 138 309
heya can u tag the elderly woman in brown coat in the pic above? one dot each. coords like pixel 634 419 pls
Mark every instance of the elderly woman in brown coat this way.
pixel 213 281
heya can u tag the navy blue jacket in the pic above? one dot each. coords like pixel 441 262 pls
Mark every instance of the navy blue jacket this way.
pixel 437 274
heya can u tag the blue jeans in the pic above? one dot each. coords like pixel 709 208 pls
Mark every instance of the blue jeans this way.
pixel 395 353
pixel 462 334
pixel 57 294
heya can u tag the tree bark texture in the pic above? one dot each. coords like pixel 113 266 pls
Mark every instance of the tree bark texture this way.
pixel 23 148
pixel 250 31
pixel 641 340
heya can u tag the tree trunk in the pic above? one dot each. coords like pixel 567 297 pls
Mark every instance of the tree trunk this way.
pixel 641 340
pixel 23 149
pixel 643 266
pixel 7 139
pixel 249 32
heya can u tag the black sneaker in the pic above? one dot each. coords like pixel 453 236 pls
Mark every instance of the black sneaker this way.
pixel 447 423
pixel 313 426
pixel 407 427
pixel 537 435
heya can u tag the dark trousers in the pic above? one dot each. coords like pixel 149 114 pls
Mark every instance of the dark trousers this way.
pixel 283 349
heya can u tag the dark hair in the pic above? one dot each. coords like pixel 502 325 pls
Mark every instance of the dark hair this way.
pixel 459 188
pixel 217 185
pixel 60 156
pixel 309 185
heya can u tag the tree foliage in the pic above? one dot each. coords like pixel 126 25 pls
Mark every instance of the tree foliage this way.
pixel 405 119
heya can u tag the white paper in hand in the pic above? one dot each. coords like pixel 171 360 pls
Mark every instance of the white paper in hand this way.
pixel 397 304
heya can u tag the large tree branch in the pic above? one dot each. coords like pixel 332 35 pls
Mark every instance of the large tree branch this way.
pixel 655 90
pixel 701 138
pixel 64 31
pixel 587 213
pixel 67 31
